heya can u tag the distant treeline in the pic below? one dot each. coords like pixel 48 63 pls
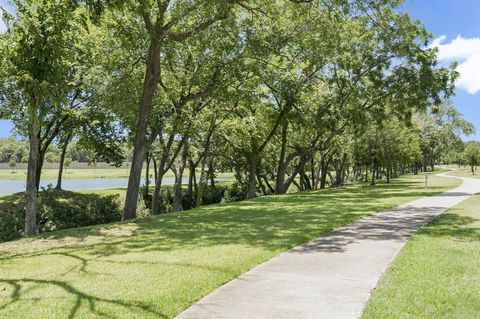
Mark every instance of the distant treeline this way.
pixel 13 149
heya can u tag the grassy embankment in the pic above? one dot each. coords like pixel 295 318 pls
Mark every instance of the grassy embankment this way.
pixel 155 267
pixel 437 273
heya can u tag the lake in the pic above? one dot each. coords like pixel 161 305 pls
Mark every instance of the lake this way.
pixel 15 186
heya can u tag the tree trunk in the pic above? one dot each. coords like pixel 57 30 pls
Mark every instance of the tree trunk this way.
pixel 323 174
pixel 152 74
pixel 31 187
pixel 299 167
pixel 38 172
pixel 147 173
pixel 282 164
pixel 265 179
pixel 339 170
pixel 155 172
pixel 62 161
pixel 191 180
pixel 252 171
pixel 202 183
pixel 318 170
pixel 211 173
pixel 156 192
pixel 177 188
pixel 306 181
pixel 372 183
pixel 260 183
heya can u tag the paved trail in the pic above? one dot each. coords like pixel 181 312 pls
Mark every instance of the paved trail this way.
pixel 330 277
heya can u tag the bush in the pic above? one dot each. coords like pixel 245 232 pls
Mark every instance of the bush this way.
pixel 60 210
pixel 11 223
pixel 211 195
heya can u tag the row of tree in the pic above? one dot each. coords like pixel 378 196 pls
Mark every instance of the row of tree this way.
pixel 283 93
pixel 13 149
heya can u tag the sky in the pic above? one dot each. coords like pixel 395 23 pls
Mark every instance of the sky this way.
pixel 455 26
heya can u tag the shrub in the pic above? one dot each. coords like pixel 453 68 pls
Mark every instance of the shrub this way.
pixel 60 210
pixel 211 195
pixel 11 223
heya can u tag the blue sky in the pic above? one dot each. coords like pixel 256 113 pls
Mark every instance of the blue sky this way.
pixel 455 25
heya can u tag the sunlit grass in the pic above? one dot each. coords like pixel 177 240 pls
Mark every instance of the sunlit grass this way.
pixel 71 173
pixel 155 267
pixel 437 273
pixel 463 171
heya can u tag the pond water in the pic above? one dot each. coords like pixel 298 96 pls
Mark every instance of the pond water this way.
pixel 14 186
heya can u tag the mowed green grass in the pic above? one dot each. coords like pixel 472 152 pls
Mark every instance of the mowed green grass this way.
pixel 71 173
pixel 155 267
pixel 463 171
pixel 437 273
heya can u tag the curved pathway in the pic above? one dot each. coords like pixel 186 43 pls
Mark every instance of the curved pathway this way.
pixel 331 276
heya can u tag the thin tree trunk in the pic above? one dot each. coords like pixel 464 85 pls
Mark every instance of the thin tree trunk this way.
pixel 252 171
pixel 282 164
pixel 62 161
pixel 211 174
pixel 156 192
pixel 155 172
pixel 268 184
pixel 318 170
pixel 324 170
pixel 147 173
pixel 152 74
pixel 260 183
pixel 372 183
pixel 177 188
pixel 191 178
pixel 202 183
pixel 41 157
pixel 31 187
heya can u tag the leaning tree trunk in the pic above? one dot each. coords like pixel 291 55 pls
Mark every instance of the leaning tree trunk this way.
pixel 62 161
pixel 31 187
pixel 152 74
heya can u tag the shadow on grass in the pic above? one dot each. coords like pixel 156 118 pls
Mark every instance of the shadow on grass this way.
pixel 80 297
pixel 274 223
pixel 452 225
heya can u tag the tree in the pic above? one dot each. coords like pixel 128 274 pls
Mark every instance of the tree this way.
pixel 164 22
pixel 472 155
pixel 12 163
pixel 441 130
pixel 36 52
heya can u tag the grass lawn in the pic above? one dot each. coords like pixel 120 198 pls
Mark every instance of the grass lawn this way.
pixel 463 172
pixel 155 267
pixel 70 173
pixel 437 273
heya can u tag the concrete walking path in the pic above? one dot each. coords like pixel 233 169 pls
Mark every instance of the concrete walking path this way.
pixel 332 276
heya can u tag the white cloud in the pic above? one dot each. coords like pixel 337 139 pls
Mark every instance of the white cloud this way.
pixel 467 52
